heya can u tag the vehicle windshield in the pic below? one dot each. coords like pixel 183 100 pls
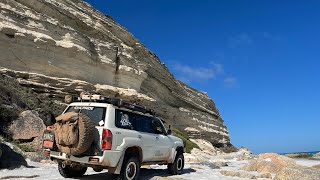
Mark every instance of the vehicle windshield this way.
pixel 96 114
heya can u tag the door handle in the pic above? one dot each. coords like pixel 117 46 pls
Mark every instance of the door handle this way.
pixel 139 136
pixel 157 138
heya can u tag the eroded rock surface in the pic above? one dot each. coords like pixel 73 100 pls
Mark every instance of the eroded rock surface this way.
pixel 62 47
pixel 27 127
pixel 269 163
pixel 298 173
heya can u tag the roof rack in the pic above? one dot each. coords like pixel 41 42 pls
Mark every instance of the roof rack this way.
pixel 114 101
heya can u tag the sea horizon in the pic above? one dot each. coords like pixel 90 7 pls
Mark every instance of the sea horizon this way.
pixel 307 152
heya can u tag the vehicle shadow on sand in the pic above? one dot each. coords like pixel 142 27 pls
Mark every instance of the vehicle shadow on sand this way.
pixel 145 174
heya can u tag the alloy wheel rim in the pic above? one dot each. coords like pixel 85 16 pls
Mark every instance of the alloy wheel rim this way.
pixel 131 170
pixel 179 164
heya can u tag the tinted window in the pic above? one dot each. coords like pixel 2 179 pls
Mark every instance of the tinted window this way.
pixel 96 114
pixel 157 126
pixel 128 120
pixel 143 124
pixel 124 119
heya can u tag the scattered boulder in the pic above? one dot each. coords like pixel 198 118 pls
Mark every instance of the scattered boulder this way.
pixel 265 175
pixel 244 154
pixel 206 147
pixel 269 163
pixel 243 174
pixel 299 155
pixel 10 159
pixel 240 155
pixel 205 152
pixel 210 165
pixel 27 127
pixel 316 156
pixel 220 164
pixel 298 173
pixel 316 166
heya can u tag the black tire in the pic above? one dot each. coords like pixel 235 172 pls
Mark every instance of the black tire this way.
pixel 86 129
pixel 176 167
pixel 70 172
pixel 130 168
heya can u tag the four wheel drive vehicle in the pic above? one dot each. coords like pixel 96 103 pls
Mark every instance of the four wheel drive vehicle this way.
pixel 112 134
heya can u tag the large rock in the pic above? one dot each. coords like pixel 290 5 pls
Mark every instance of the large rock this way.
pixel 298 173
pixel 316 156
pixel 67 40
pixel 10 159
pixel 243 174
pixel 299 155
pixel 27 127
pixel 269 162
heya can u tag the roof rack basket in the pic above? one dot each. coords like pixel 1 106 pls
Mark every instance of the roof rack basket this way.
pixel 114 101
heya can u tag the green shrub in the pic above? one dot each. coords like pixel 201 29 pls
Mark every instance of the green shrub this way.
pixel 26 147
pixel 6 116
pixel 189 144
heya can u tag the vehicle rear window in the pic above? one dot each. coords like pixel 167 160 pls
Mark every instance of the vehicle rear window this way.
pixel 96 114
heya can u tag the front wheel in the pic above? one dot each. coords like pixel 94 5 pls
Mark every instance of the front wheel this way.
pixel 67 171
pixel 176 167
pixel 130 169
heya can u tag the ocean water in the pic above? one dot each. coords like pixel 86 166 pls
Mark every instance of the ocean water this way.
pixel 311 153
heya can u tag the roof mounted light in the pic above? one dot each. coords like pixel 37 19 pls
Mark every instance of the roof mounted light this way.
pixel 91 97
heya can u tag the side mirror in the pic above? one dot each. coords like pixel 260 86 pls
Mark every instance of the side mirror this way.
pixel 169 132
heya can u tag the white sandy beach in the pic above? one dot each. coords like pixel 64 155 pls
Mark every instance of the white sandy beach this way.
pixel 192 171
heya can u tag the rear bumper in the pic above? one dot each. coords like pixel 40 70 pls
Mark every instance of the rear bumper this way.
pixel 108 159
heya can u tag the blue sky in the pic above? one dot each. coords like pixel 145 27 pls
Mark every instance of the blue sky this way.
pixel 258 60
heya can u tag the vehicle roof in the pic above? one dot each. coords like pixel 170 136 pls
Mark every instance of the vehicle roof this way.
pixel 99 104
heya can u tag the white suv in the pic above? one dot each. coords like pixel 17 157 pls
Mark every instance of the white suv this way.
pixel 121 138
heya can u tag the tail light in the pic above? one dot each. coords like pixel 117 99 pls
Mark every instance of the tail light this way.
pixel 106 142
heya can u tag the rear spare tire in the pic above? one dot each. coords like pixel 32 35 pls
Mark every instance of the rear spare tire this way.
pixel 84 130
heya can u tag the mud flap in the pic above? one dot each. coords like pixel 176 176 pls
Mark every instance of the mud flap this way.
pixel 117 169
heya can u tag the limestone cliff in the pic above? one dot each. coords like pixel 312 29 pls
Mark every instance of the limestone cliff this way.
pixel 66 46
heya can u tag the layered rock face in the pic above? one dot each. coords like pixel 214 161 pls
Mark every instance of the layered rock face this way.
pixel 61 47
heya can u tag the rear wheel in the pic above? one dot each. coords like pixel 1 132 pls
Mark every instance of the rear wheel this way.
pixel 67 171
pixel 130 169
pixel 177 166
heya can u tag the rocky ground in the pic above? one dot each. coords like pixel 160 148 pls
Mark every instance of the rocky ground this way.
pixel 207 162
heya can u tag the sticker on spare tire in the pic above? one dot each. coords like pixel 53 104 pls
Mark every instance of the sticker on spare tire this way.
pixel 84 108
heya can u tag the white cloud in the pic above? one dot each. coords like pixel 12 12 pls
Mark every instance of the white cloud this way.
pixel 189 73
pixel 240 40
pixel 230 82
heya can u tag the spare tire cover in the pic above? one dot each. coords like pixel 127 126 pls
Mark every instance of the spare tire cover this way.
pixel 74 133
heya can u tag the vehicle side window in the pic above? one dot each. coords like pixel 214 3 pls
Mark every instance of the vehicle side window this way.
pixel 124 119
pixel 128 120
pixel 157 126
pixel 143 124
